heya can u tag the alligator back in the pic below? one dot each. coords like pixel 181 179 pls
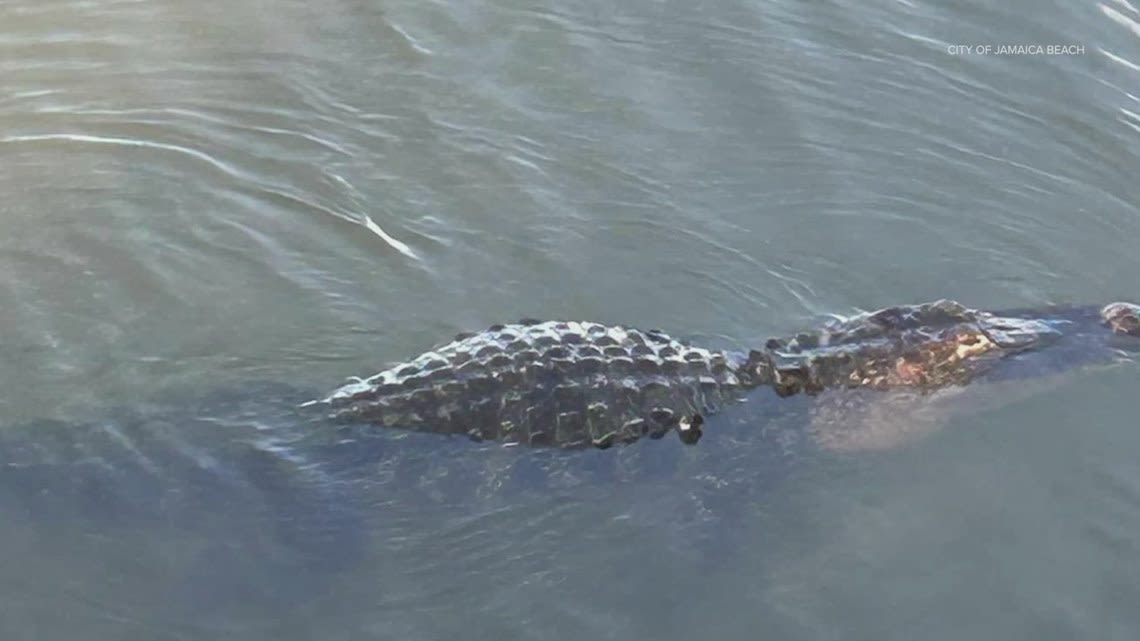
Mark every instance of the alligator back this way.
pixel 554 383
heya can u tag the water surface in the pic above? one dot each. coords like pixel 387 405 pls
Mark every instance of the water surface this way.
pixel 200 198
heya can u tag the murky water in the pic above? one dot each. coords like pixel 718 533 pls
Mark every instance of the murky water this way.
pixel 201 201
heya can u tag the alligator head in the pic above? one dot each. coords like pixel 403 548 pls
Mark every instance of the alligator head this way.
pixel 928 345
pixel 943 343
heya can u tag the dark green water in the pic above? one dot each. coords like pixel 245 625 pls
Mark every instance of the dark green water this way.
pixel 200 195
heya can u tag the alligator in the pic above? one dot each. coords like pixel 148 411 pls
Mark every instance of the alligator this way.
pixel 229 498
pixel 571 384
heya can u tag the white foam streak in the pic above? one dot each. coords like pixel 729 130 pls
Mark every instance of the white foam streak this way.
pixel 125 142
pixel 392 242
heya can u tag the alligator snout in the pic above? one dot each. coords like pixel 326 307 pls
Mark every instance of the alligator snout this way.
pixel 1122 318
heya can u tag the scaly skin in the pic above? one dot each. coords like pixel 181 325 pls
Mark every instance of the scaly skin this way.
pixel 935 345
pixel 564 384
pixel 928 345
pixel 581 384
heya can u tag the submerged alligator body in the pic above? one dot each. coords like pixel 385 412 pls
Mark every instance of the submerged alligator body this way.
pixel 581 384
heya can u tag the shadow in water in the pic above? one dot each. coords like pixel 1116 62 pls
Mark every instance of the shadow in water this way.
pixel 202 516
